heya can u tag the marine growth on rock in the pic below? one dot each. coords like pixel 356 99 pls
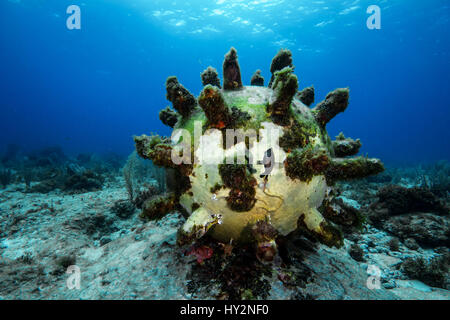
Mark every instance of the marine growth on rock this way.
pixel 254 163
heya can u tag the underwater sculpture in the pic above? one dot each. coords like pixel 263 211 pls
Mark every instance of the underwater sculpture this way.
pixel 253 163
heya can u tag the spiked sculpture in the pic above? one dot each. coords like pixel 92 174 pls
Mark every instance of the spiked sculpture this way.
pixel 287 168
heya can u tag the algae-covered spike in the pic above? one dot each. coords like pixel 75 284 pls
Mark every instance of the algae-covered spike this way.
pixel 168 117
pixel 344 147
pixel 231 71
pixel 257 79
pixel 214 106
pixel 281 60
pixel 285 87
pixel 335 102
pixel 156 149
pixel 353 168
pixel 183 101
pixel 306 96
pixel 210 76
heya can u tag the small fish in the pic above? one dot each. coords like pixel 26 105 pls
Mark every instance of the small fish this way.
pixel 268 161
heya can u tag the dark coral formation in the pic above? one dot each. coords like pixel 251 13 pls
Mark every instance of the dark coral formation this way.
pixel 306 96
pixel 434 272
pixel 11 154
pixel 168 117
pixel 334 103
pixel 438 178
pixel 183 101
pixel 257 79
pixel 83 182
pixel 69 181
pixel 231 71
pixel 345 147
pixel 285 87
pixel 210 76
pixel 242 185
pixel 215 108
pixel 50 156
pixel 425 229
pixel 281 60
pixel 400 200
pixel 356 253
pixel 6 177
pixel 415 215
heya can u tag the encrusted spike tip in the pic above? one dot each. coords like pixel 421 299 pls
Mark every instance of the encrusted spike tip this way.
pixel 183 101
pixel 257 79
pixel 214 106
pixel 282 60
pixel 306 96
pixel 210 76
pixel 231 71
pixel 285 87
pixel 353 168
pixel 335 102
pixel 344 147
pixel 156 149
pixel 168 117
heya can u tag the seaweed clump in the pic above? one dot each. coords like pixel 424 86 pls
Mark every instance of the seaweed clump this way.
pixel 297 135
pixel 306 163
pixel 242 184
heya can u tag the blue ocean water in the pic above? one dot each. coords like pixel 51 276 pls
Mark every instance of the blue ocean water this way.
pixel 90 90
